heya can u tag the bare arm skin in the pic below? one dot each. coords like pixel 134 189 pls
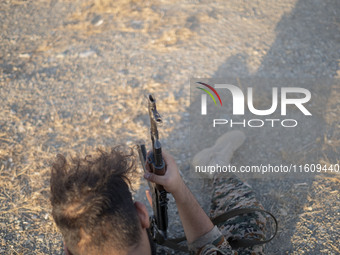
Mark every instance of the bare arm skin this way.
pixel 195 221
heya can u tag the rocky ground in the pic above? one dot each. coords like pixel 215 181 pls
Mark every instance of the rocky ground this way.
pixel 73 75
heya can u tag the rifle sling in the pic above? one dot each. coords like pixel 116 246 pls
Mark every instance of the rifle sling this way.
pixel 234 242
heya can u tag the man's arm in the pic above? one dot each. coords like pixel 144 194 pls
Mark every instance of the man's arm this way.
pixel 195 221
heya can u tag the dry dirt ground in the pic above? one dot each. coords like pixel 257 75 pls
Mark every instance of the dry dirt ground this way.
pixel 73 75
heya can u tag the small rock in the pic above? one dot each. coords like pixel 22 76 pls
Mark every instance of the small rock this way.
pixel 300 184
pixel 40 240
pixel 46 216
pixel 86 54
pixel 283 212
pixel 133 83
pixel 21 129
pixel 97 21
pixel 136 24
pixel 124 71
pixel 60 56
pixel 24 55
pixel 107 120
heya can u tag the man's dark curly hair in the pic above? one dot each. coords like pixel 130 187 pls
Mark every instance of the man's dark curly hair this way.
pixel 91 201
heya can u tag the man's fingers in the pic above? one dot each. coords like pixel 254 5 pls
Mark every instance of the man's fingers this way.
pixel 165 154
pixel 154 178
pixel 169 160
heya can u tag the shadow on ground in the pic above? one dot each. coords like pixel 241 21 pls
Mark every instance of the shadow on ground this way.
pixel 304 54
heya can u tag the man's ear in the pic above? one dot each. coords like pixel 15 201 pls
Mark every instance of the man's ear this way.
pixel 143 215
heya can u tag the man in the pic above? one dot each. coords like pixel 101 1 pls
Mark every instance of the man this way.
pixel 93 207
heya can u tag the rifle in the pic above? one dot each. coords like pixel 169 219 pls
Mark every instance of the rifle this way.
pixel 159 219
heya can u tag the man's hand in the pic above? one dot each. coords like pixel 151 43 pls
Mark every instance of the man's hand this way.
pixel 194 220
pixel 172 180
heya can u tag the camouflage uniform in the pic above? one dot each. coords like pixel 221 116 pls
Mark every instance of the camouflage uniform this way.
pixel 231 193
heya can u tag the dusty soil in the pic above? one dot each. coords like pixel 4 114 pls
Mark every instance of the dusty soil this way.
pixel 73 75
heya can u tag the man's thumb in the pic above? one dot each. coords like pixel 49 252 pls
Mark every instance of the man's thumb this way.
pixel 153 178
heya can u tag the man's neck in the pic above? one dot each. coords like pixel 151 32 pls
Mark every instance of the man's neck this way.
pixel 144 246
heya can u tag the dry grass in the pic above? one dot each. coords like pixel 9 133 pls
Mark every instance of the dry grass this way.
pixel 166 32
pixel 313 226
